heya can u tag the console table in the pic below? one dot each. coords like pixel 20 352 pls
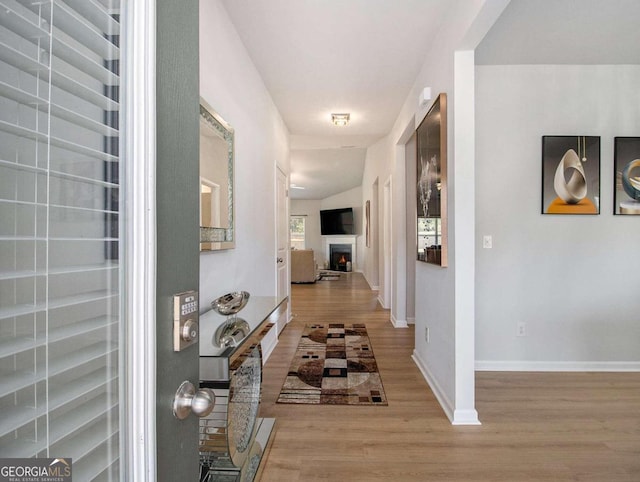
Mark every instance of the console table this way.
pixel 233 439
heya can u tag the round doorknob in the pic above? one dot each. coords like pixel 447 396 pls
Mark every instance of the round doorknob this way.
pixel 189 400
pixel 280 260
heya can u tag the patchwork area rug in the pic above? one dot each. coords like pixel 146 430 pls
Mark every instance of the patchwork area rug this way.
pixel 334 365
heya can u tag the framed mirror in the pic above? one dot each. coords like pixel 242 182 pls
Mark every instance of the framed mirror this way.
pixel 216 181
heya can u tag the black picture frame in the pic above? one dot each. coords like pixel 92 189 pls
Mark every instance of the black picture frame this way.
pixel 626 163
pixel 570 175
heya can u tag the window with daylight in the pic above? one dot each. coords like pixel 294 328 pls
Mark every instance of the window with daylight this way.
pixel 60 276
pixel 297 230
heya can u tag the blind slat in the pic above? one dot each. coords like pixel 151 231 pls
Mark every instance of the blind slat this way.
pixel 55 141
pixel 14 448
pixel 80 61
pixel 78 358
pixel 18 274
pixel 13 346
pixel 20 61
pixel 71 22
pixel 67 301
pixel 85 441
pixel 16 21
pixel 35 34
pixel 95 13
pixel 59 175
pixel 16 417
pixel 25 98
pixel 17 380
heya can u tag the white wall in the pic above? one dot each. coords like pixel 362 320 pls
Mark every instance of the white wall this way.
pixel 230 83
pixel 378 167
pixel 353 199
pixel 311 209
pixel 572 279
pixel 447 361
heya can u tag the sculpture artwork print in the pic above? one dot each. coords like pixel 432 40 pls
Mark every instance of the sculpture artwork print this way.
pixel 626 190
pixel 570 175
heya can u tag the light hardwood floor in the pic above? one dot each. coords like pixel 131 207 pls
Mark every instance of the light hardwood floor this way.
pixel 535 426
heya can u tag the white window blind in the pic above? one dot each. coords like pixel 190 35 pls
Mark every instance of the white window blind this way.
pixel 59 199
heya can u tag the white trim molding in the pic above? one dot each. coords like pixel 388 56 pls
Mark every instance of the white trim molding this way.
pixel 139 142
pixel 444 401
pixel 398 323
pixel 556 366
pixel 456 417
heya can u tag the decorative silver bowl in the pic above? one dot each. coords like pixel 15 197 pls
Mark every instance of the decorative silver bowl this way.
pixel 230 303
pixel 234 329
pixel 232 332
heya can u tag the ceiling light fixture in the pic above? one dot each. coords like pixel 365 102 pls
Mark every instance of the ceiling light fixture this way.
pixel 295 186
pixel 340 119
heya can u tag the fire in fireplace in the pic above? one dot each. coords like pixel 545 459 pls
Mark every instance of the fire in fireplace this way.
pixel 340 257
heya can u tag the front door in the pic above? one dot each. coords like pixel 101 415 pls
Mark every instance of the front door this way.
pixel 70 373
pixel 177 226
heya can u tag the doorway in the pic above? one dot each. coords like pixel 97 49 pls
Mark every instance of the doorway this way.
pixel 387 261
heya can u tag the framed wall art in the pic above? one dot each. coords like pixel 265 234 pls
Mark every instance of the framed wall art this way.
pixel 626 163
pixel 570 175
pixel 367 223
pixel 431 178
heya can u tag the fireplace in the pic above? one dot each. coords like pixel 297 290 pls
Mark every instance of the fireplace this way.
pixel 340 257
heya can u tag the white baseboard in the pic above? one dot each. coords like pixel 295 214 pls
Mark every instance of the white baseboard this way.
pixel 398 323
pixel 411 320
pixel 372 287
pixel 465 417
pixel 268 343
pixel 555 366
pixel 446 405
pixel 456 417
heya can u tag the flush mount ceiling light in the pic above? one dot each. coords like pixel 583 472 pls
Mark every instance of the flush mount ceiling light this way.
pixel 340 119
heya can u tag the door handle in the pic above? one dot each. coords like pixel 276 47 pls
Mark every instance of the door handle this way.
pixel 280 260
pixel 189 400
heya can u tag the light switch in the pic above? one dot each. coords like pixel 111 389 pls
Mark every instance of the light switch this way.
pixel 487 241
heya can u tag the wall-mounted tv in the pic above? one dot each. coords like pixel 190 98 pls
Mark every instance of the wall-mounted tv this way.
pixel 336 221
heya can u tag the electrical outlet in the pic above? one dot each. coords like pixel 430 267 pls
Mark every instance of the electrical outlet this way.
pixel 487 241
pixel 522 329
pixel 427 337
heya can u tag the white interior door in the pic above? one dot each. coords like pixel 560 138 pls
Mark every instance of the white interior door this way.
pixel 282 241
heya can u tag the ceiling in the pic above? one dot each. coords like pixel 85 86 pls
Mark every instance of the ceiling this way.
pixel 362 57
pixel 581 32
pixel 336 56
